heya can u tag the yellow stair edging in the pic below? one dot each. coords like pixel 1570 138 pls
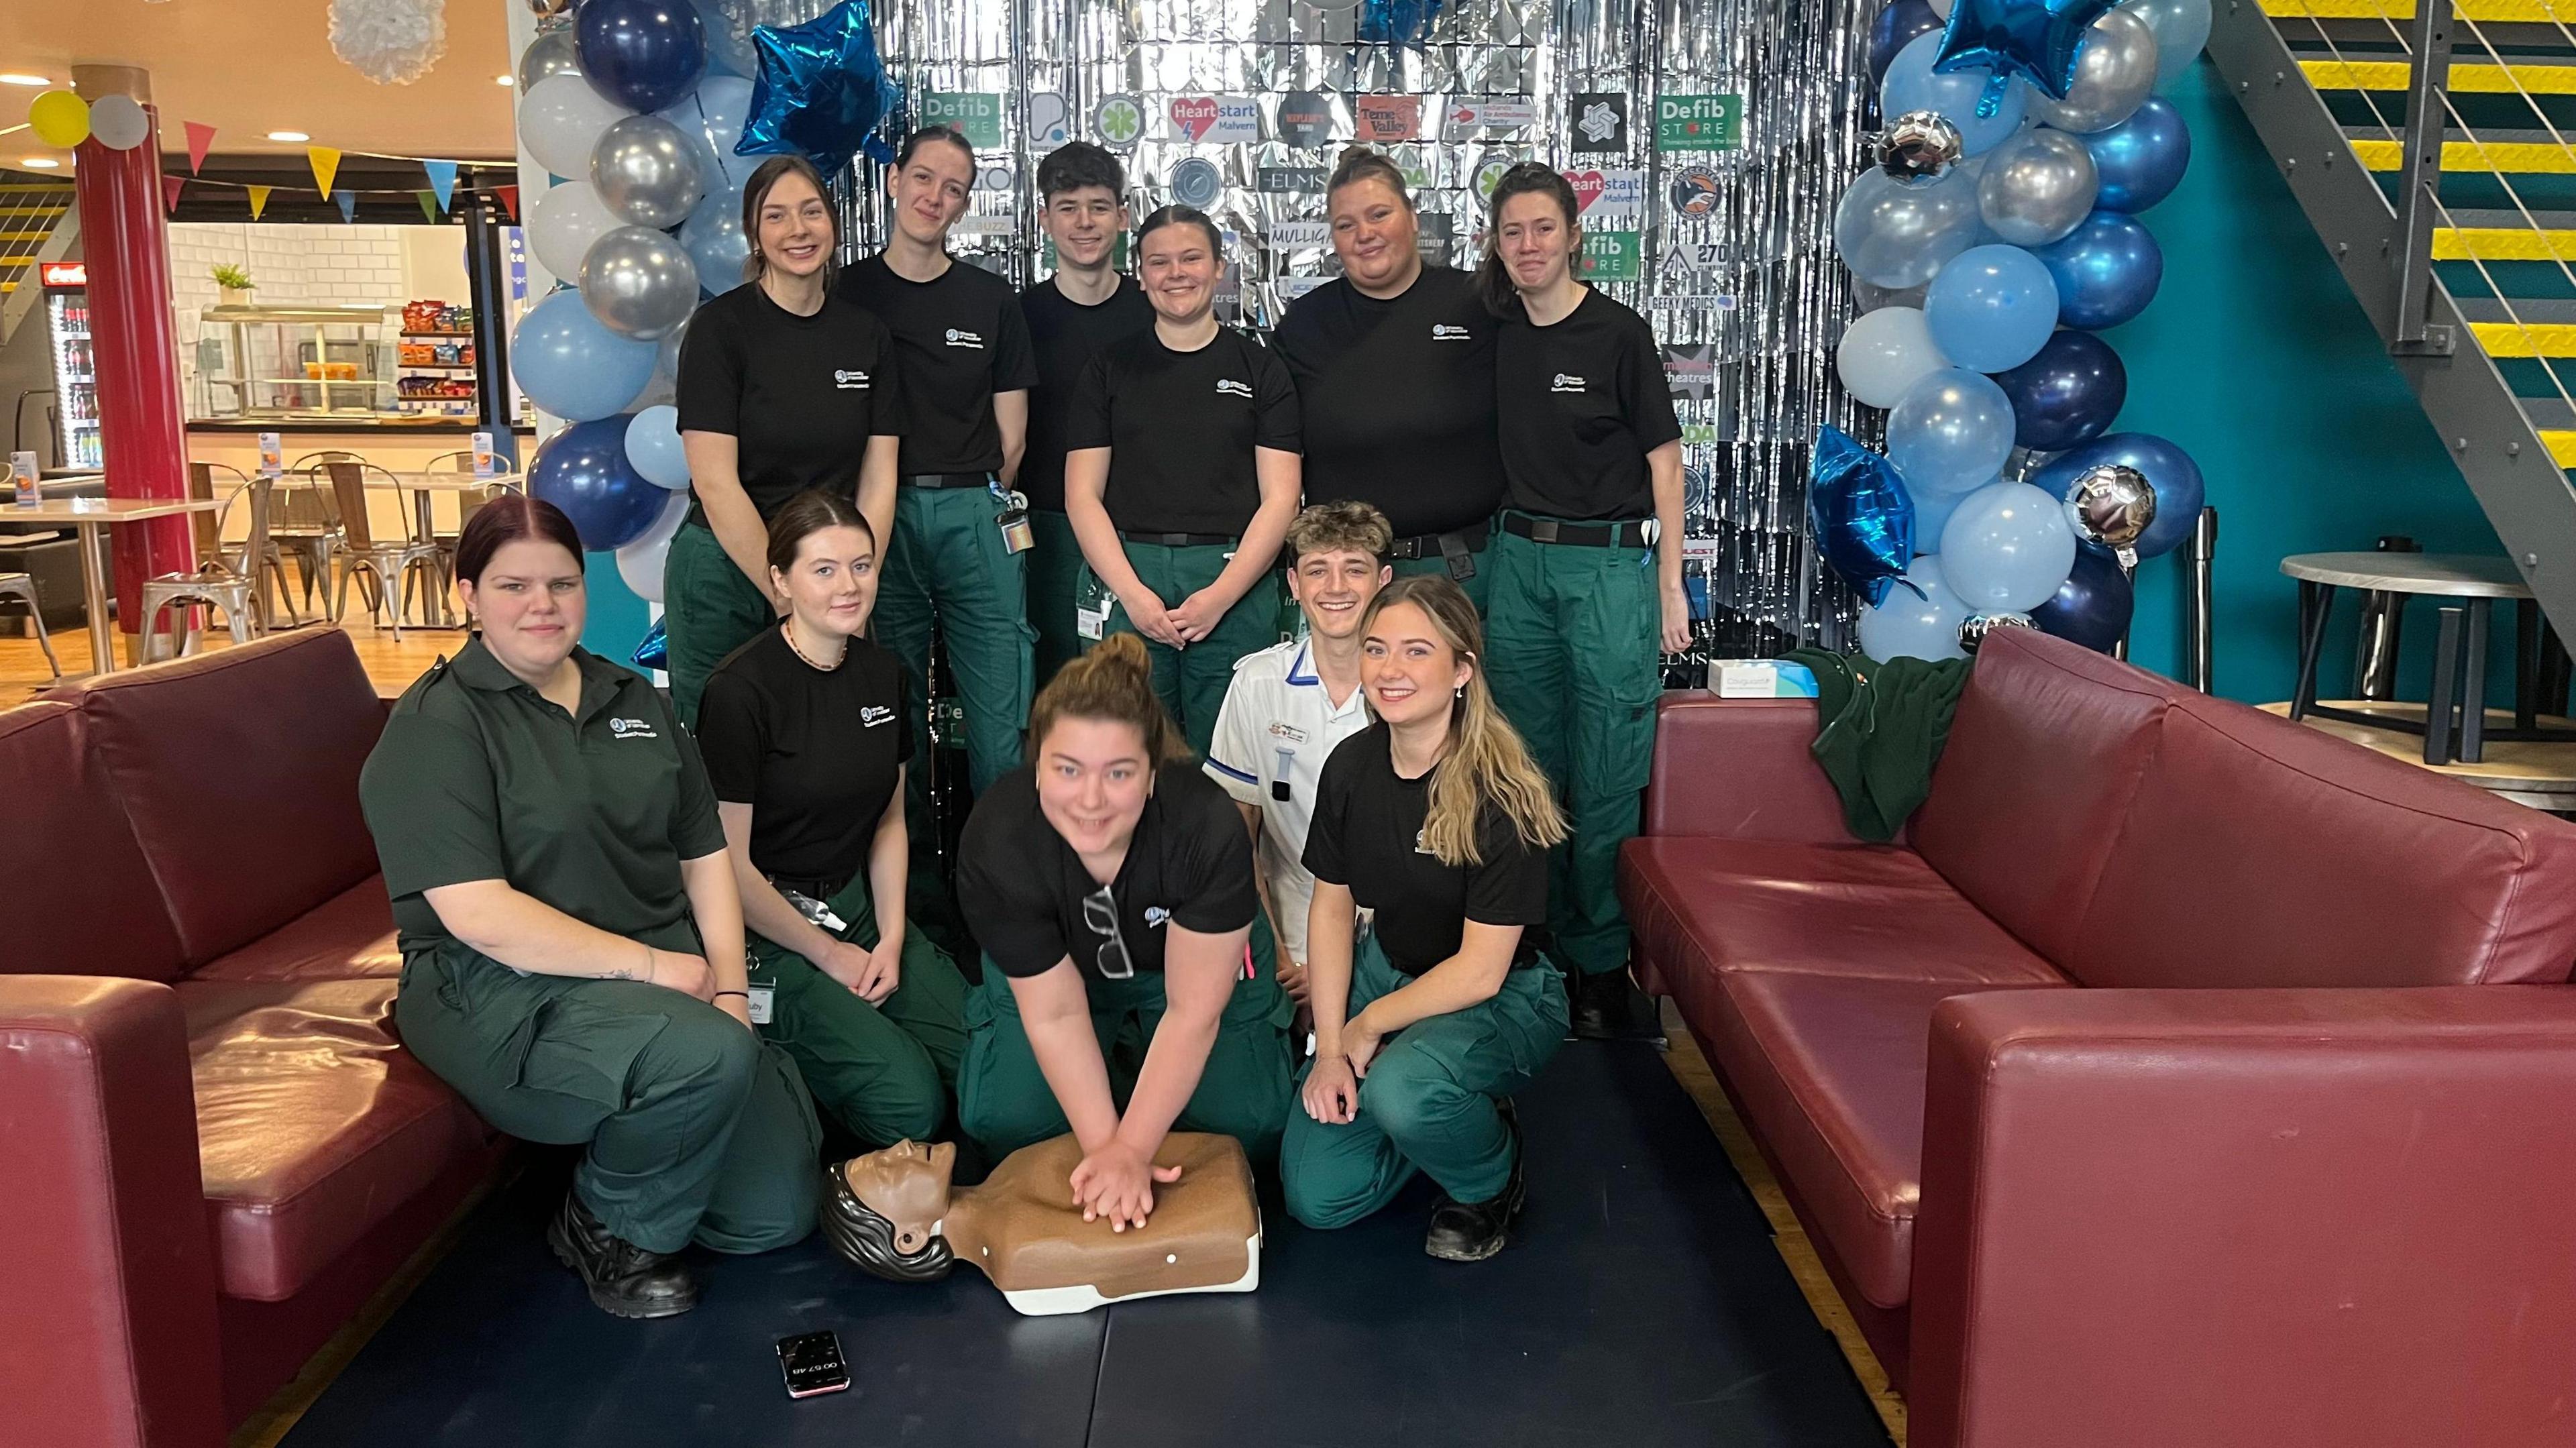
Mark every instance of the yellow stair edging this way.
pixel 2541 12
pixel 2498 157
pixel 2526 339
pixel 2467 77
pixel 2501 243
pixel 2562 447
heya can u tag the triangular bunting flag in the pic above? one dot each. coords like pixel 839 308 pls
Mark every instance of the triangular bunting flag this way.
pixel 442 180
pixel 348 203
pixel 509 199
pixel 258 200
pixel 428 206
pixel 326 164
pixel 170 188
pixel 201 139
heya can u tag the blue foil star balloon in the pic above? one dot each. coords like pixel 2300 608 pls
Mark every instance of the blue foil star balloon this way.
pixel 2031 38
pixel 821 90
pixel 1397 22
pixel 1863 517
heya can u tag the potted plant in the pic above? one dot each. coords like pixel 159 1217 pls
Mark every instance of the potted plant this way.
pixel 235 282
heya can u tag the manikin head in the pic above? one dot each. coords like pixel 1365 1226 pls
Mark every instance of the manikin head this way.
pixel 885 1209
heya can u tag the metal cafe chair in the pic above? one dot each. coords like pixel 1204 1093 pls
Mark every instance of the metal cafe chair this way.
pixel 467 505
pixel 242 558
pixel 390 564
pixel 307 523
pixel 22 586
pixel 232 585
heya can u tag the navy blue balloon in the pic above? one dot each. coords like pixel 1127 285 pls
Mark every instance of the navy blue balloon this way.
pixel 584 471
pixel 2180 490
pixel 1863 519
pixel 2142 159
pixel 821 90
pixel 2092 607
pixel 1899 22
pixel 2067 394
pixel 2107 269
pixel 2031 38
pixel 642 54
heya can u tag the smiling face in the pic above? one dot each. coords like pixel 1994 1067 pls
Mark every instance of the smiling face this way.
pixel 1084 224
pixel 931 190
pixel 1376 236
pixel 1410 672
pixel 1093 781
pixel 1333 589
pixel 834 582
pixel 1178 269
pixel 530 603
pixel 796 229
pixel 1534 239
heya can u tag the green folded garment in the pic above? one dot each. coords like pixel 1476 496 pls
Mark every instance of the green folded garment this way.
pixel 1880 731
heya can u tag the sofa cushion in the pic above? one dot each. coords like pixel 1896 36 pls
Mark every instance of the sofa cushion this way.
pixel 239 770
pixel 312 1123
pixel 349 936
pixel 81 900
pixel 1830 1072
pixel 2044 754
pixel 2263 853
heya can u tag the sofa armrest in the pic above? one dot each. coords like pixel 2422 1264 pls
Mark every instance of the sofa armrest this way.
pixel 2247 1218
pixel 107 1320
pixel 1740 769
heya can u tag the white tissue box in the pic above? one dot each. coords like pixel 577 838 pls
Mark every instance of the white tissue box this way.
pixel 1761 679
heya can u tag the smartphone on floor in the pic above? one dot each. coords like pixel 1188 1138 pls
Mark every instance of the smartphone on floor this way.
pixel 813 1364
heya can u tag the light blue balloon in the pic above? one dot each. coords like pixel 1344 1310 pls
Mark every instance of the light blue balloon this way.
pixel 713 235
pixel 1991 308
pixel 1932 514
pixel 1913 85
pixel 1950 432
pixel 2007 548
pixel 573 367
pixel 711 117
pixel 653 446
pixel 1918 622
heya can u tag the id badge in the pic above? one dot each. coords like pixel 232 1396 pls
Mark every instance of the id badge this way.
pixel 761 998
pixel 1013 520
pixel 1091 604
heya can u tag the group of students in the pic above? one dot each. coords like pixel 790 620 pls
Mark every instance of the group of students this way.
pixel 669 930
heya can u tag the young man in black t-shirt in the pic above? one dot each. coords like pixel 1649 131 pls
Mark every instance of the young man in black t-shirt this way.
pixel 1072 316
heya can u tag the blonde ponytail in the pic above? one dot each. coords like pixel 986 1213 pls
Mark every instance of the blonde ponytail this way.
pixel 1114 681
pixel 1486 760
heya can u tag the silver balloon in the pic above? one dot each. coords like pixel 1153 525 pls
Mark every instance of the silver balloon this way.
pixel 1898 235
pixel 1973 632
pixel 2115 69
pixel 1920 146
pixel 639 282
pixel 1869 296
pixel 2110 506
pixel 645 171
pixel 551 53
pixel 2036 187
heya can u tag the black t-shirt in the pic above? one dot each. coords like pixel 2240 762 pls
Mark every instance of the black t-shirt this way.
pixel 1066 335
pixel 1399 399
pixel 814 753
pixel 959 340
pixel 801 396
pixel 1181 427
pixel 1367 834
pixel 1583 402
pixel 1022 887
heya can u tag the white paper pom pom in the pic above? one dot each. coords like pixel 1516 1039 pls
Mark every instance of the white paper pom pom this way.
pixel 391 42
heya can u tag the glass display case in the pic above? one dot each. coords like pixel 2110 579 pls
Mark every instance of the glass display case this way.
pixel 294 364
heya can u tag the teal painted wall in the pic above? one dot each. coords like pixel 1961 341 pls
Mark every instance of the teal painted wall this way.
pixel 618 618
pixel 2257 360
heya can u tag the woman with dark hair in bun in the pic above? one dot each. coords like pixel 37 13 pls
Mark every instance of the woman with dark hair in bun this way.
pixel 572 942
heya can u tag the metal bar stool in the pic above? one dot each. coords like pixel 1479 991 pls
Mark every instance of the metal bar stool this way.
pixel 22 586
pixel 219 583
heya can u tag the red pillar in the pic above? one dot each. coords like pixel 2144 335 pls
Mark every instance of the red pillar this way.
pixel 125 239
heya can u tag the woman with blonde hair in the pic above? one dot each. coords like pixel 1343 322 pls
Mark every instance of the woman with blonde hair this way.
pixel 1110 885
pixel 1437 821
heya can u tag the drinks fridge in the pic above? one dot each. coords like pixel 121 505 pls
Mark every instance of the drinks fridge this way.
pixel 75 373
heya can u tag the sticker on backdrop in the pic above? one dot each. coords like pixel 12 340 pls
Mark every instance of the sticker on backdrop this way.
pixel 1290 180
pixel 1119 120
pixel 1699 123
pixel 1291 288
pixel 1387 118
pixel 1197 182
pixel 1695 191
pixel 995 178
pixel 1306 118
pixel 1050 119
pixel 1489 173
pixel 1471 116
pixel 1217 120
pixel 1300 235
pixel 1599 121
pixel 976 115
pixel 1689 371
pixel 1613 256
pixel 1608 195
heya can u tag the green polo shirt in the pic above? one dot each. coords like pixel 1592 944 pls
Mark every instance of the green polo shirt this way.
pixel 478 777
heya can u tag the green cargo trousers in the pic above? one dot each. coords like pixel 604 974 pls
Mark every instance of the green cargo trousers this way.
pixel 696 1130
pixel 948 560
pixel 1427 1103
pixel 708 610
pixel 1004 1102
pixel 1055 571
pixel 883 1071
pixel 1193 681
pixel 1573 654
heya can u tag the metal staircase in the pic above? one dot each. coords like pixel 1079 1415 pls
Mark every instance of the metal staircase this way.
pixel 2432 144
pixel 37 224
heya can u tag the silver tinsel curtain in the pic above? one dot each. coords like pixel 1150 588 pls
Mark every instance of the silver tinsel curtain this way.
pixel 1733 266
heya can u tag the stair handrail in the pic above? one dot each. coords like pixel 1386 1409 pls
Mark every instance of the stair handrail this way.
pixel 2428 59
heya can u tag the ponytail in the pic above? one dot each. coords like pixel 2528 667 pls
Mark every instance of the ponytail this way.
pixel 1493 280
pixel 1113 681
pixel 1486 762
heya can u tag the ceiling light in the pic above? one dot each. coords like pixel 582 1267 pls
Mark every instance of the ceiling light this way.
pixel 40 163
pixel 288 136
pixel 22 78
pixel 505 80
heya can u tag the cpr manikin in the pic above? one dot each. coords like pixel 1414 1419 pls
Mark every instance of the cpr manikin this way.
pixel 894 1214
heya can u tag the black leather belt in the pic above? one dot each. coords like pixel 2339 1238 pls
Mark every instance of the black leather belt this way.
pixel 1431 545
pixel 1179 540
pixel 947 480
pixel 1628 533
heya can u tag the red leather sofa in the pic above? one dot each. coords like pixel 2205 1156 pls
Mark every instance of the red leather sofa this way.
pixel 2188 1079
pixel 212 1150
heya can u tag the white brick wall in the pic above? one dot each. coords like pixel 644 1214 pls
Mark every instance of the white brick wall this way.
pixel 292 265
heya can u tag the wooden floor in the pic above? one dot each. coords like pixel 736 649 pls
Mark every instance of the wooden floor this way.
pixel 393 665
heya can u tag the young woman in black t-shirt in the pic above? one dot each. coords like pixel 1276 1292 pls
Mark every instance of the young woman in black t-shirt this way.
pixel 1110 884
pixel 805 737
pixel 1587 561
pixel 1436 820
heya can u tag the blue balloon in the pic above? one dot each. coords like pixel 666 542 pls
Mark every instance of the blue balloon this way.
pixel 1863 521
pixel 1919 620
pixel 2067 394
pixel 572 366
pixel 1913 85
pixel 2106 270
pixel 642 54
pixel 1951 431
pixel 713 236
pixel 2092 606
pixel 712 117
pixel 2030 38
pixel 729 52
pixel 1895 28
pixel 822 89
pixel 1932 514
pixel 2180 490
pixel 2007 548
pixel 1991 308
pixel 653 446
pixel 583 470
pixel 2142 159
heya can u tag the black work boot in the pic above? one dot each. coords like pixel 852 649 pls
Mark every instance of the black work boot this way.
pixel 1474 1231
pixel 1606 1007
pixel 624 1279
